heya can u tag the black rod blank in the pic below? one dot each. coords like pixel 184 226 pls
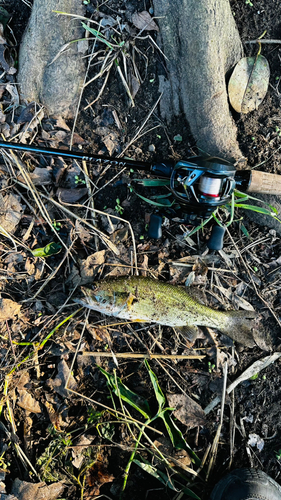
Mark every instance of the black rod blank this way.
pixel 77 155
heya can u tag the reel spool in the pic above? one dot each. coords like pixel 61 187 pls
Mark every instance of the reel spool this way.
pixel 202 185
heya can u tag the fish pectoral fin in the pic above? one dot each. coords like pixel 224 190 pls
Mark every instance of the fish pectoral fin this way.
pixel 190 333
pixel 130 300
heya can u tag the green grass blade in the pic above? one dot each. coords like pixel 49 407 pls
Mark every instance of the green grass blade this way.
pixel 190 493
pixel 152 182
pixel 163 478
pixel 98 35
pixel 140 404
pixel 231 211
pixel 254 208
pixel 197 228
pixel 157 389
pixel 164 203
pixel 176 436
pixel 153 471
pixel 244 230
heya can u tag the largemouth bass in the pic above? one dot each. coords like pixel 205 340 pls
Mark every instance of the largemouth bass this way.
pixel 137 298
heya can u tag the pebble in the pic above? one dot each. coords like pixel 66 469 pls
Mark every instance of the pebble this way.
pixel 151 148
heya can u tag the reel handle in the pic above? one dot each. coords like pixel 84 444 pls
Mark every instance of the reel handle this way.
pixel 265 183
pixel 216 239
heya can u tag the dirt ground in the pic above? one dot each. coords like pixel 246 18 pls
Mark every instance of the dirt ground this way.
pixel 71 440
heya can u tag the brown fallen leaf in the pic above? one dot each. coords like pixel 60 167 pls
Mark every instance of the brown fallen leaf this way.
pixel 187 411
pixel 10 212
pixel 100 334
pixel 39 491
pixel 134 86
pixel 83 233
pixel 97 476
pixel 71 195
pixel 60 123
pixel 8 309
pixel 88 269
pixel 54 416
pixel 76 139
pixel 77 451
pixel 39 176
pixel 58 384
pixel 27 402
pixel 179 458
pixel 143 21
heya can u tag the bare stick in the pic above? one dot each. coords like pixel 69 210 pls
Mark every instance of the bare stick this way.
pixel 141 355
pixel 214 448
pixel 264 41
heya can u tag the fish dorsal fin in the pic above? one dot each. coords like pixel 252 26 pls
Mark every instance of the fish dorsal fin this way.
pixel 197 294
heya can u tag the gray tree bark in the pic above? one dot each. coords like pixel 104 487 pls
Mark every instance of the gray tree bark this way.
pixel 202 44
pixel 54 84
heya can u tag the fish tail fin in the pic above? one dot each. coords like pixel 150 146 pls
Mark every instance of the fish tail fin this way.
pixel 243 327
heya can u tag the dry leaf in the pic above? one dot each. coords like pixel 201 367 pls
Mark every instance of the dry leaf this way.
pixel 27 402
pixel 39 176
pixel 235 299
pixel 134 86
pixel 39 491
pixel 60 123
pixel 10 212
pixel 187 411
pixel 143 21
pixel 83 233
pixel 71 195
pixel 180 458
pixel 8 309
pixel 97 476
pixel 91 266
pixel 13 91
pixel 82 444
pixel 249 83
pixel 88 269
pixel 58 384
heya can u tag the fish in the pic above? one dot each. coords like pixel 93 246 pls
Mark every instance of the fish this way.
pixel 142 299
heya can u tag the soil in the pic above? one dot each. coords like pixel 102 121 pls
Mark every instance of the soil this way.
pixel 248 268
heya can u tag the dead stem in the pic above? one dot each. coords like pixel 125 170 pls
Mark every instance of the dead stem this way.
pixel 214 448
pixel 132 355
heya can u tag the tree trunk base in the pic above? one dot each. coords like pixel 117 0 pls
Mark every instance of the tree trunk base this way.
pixel 56 84
pixel 201 42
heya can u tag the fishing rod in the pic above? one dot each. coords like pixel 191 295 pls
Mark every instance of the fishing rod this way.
pixel 199 184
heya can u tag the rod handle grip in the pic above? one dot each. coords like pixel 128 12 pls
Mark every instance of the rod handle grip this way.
pixel 263 182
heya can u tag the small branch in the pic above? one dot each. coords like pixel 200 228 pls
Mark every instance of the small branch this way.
pixel 264 41
pixel 142 355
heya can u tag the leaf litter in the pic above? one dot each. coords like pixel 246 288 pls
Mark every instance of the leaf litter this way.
pixel 64 404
